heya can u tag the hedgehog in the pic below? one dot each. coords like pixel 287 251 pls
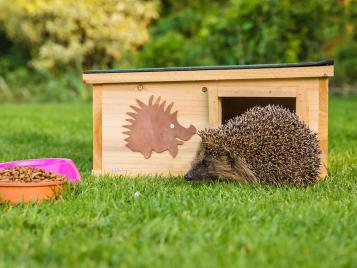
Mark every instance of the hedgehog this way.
pixel 154 128
pixel 265 145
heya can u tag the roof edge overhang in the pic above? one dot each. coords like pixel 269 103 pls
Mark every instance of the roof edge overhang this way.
pixel 210 73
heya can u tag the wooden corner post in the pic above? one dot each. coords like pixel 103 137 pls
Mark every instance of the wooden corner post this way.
pixel 97 127
pixel 312 108
pixel 323 124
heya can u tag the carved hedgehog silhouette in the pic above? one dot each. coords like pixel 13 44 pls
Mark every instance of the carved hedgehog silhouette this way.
pixel 154 128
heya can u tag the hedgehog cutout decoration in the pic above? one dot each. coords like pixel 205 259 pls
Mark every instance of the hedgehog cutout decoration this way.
pixel 154 128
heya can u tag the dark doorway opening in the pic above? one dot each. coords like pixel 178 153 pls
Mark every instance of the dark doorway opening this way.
pixel 234 106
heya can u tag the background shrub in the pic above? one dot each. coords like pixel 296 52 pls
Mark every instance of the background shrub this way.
pixel 245 32
pixel 251 32
pixel 90 32
pixel 45 44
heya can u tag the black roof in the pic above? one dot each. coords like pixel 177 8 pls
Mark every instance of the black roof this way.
pixel 223 67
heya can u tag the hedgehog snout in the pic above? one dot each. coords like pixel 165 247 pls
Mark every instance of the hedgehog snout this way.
pixel 188 176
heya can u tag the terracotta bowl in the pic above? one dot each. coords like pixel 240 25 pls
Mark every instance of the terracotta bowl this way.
pixel 16 192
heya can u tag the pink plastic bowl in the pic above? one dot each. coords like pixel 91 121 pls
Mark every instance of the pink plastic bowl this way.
pixel 57 165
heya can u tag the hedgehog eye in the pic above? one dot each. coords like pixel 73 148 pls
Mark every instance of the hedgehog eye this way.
pixel 205 162
pixel 172 125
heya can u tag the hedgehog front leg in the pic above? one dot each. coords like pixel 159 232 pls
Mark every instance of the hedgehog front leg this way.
pixel 146 153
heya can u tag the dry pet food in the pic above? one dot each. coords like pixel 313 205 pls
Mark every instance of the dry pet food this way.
pixel 29 174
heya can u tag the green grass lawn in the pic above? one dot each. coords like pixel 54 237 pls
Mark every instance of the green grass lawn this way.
pixel 173 223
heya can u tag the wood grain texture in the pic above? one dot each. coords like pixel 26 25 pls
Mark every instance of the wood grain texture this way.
pixel 208 75
pixel 258 91
pixel 307 103
pixel 97 127
pixel 323 124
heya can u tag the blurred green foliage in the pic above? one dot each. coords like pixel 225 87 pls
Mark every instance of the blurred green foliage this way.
pixel 187 33
pixel 45 43
pixel 220 32
pixel 243 32
pixel 21 82
pixel 64 32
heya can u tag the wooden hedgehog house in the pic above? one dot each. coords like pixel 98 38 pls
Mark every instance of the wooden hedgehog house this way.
pixel 145 120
